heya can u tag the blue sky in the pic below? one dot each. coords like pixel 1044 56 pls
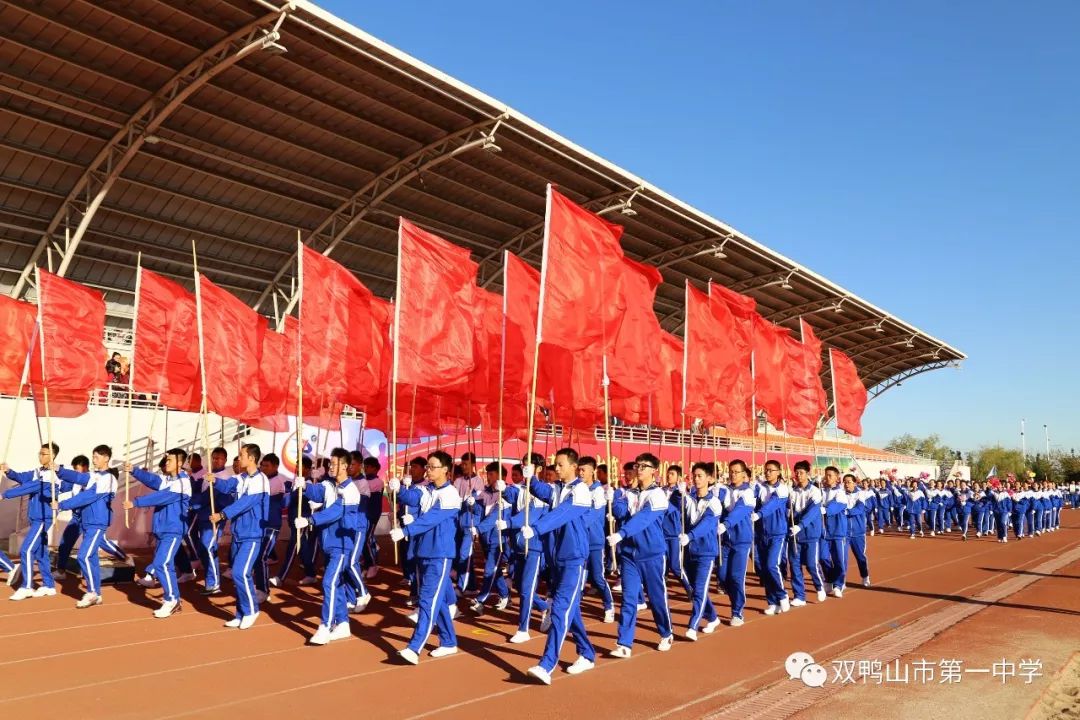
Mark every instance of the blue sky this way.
pixel 924 155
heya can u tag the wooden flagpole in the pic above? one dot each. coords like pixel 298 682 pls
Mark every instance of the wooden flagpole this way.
pixel 300 383
pixel 502 389
pixel 131 383
pixel 398 294
pixel 204 407
pixel 45 392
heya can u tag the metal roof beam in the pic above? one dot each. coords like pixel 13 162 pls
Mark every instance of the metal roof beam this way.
pixel 804 309
pixel 86 196
pixel 706 246
pixel 895 380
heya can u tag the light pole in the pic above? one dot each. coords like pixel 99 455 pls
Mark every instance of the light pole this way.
pixel 1023 441
pixel 1046 432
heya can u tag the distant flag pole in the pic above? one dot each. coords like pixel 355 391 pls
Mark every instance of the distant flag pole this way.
pixel 300 382
pixel 45 389
pixel 398 294
pixel 204 408
pixel 131 383
pixel 502 383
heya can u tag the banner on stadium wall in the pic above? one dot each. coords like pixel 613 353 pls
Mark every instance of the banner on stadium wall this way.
pixel 959 472
pixel 872 469
pixel 319 442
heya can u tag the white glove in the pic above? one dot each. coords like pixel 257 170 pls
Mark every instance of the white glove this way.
pixel 721 529
pixel 394 484
pixel 64 496
pixel 795 530
pixel 500 524
pixel 824 511
pixel 500 485
pixel 301 522
pixel 681 485
pixel 315 505
pixel 754 517
pixel 470 501
pixel 528 472
pixel 64 516
pixel 397 535
pixel 684 540
pixel 406 519
pixel 527 533
pixel 609 493
pixel 614 539
pixel 474 531
pixel 299 483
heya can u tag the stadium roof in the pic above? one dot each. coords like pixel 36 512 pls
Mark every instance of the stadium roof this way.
pixel 138 127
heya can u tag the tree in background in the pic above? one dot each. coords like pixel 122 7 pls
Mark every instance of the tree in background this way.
pixel 1007 460
pixel 929 446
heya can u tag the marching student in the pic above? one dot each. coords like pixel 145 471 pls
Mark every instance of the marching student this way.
pixel 772 509
pixel 337 521
pixel 491 510
pixel 642 555
pixel 883 506
pixel 170 500
pixel 564 533
pixel 675 489
pixel 702 546
pixel 80 464
pixel 737 536
pixel 93 494
pixel 859 508
pixel 528 563
pixel 597 521
pixel 309 540
pixel 1002 505
pixel 806 504
pixel 468 485
pixel 248 518
pixel 206 534
pixel 409 504
pixel 432 531
pixel 835 507
pixel 36 485
pixel 914 499
pixel 279 491
pixel 372 513
pixel 965 503
pixel 357 593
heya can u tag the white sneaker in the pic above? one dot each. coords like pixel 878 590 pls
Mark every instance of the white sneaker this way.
pixel 308 580
pixel 785 604
pixel 260 597
pixel 736 622
pixel 866 582
pixel 167 608
pixel 443 651
pixel 146 581
pixel 772 609
pixel 545 620
pixel 665 643
pixel 691 635
pixel 249 620
pixel 186 577
pixel 838 592
pixel 821 596
pixel 711 626
pixel 44 591
pixel 409 656
pixel 341 631
pixel 361 603
pixel 477 607
pixel 540 674
pixel 22 594
pixel 89 600
pixel 275 581
pixel 609 616
pixel 14 575
pixel 642 606
pixel 797 602
pixel 414 617
pixel 453 611
pixel 321 636
pixel 235 623
pixel 521 636
pixel 620 651
pixel 617 587
pixel 503 603
pixel 579 666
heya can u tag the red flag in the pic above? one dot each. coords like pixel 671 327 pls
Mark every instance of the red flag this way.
pixel 521 286
pixel 805 399
pixel 232 352
pixel 582 259
pixel 632 363
pixel 277 371
pixel 770 378
pixel 17 321
pixel 741 306
pixel 317 410
pixel 333 304
pixel 166 356
pixel 73 331
pixel 436 287
pixel 717 361
pixel 849 393
pixel 737 378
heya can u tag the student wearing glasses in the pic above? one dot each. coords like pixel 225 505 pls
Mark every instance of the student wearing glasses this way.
pixel 642 554
pixel 527 564
pixel 432 532
pixel 702 543
pixel 737 536
pixel 806 503
pixel 772 532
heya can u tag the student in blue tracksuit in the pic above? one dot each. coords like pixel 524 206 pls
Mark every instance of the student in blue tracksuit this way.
pixel 676 492
pixel 372 512
pixel 835 504
pixel 409 490
pixel 564 533
pixel 771 536
pixel 170 500
pixel 963 499
pixel 1002 505
pixel 308 539
pixel 529 563
pixel 467 485
pixel 432 531
pixel 598 522
pixel 702 546
pixel 337 500
pixel 859 508
pixel 883 505
pixel 80 464
pixel 37 486
pixel 205 535
pixel 642 556
pixel 737 536
pixel 492 506
pixel 806 511
pixel 280 490
pixel 354 570
pixel 248 518
pixel 92 493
